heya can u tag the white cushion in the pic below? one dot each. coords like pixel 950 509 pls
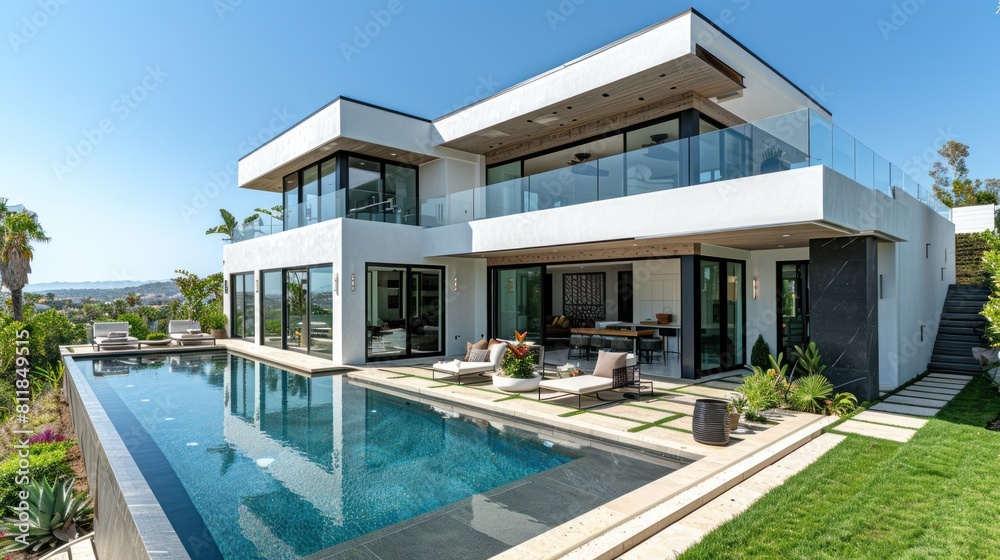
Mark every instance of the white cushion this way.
pixel 193 331
pixel 463 367
pixel 579 385
pixel 608 362
pixel 117 334
pixel 496 355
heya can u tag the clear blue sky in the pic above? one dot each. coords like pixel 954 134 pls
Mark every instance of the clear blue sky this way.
pixel 203 79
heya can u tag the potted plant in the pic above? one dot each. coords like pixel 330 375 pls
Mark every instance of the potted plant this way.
pixel 517 369
pixel 736 407
pixel 770 160
pixel 215 321
pixel 158 339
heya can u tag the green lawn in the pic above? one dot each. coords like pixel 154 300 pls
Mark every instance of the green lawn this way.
pixel 936 496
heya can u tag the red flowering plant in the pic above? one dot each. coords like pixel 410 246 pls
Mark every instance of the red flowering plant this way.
pixel 519 361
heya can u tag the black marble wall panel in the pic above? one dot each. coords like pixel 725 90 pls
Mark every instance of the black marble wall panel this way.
pixel 843 311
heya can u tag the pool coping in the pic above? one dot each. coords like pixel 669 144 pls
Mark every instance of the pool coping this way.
pixel 128 519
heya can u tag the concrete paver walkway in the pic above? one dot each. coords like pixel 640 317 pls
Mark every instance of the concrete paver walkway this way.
pixel 896 418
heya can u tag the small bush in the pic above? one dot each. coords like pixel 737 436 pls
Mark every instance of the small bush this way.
pixel 48 436
pixel 760 393
pixel 137 326
pixel 48 460
pixel 760 353
pixel 842 404
pixel 213 319
pixel 810 393
pixel 156 336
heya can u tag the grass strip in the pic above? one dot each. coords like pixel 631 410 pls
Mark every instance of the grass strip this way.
pixel 659 423
pixel 935 496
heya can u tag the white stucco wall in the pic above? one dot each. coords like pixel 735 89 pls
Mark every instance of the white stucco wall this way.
pixel 762 311
pixel 974 219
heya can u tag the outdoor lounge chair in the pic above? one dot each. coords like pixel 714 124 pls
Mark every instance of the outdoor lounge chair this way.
pixel 188 332
pixel 614 370
pixel 459 368
pixel 113 335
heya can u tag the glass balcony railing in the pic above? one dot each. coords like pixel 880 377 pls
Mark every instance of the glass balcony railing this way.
pixel 794 140
pixel 800 139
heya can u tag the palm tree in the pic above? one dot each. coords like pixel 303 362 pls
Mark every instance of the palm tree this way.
pixel 230 226
pixel 132 299
pixel 17 232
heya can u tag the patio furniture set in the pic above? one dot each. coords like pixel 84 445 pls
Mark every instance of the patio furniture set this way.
pixel 115 335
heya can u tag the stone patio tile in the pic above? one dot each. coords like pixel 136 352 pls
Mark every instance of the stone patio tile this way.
pixel 952 376
pixel 930 389
pixel 916 401
pixel 667 544
pixel 672 405
pixel 917 394
pixel 608 422
pixel 638 413
pixel 83 550
pixel 942 383
pixel 891 419
pixel 879 431
pixel 905 409
pixel 682 423
pixel 704 391
pixel 720 385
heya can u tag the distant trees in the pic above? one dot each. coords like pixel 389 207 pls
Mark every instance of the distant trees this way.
pixel 952 184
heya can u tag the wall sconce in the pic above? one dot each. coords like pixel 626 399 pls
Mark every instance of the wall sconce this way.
pixel 754 288
pixel 352 283
pixel 336 283
pixel 256 285
pixel 456 283
pixel 510 284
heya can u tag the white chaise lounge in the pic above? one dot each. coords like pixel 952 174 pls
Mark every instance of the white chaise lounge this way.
pixel 458 368
pixel 188 332
pixel 113 335
pixel 614 370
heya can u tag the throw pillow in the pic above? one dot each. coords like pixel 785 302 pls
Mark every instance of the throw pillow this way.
pixel 469 347
pixel 555 321
pixel 564 322
pixel 608 362
pixel 479 355
pixel 117 334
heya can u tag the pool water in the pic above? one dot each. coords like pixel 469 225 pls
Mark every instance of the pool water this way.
pixel 279 465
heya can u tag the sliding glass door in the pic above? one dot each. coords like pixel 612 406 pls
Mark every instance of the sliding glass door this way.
pixel 404 311
pixel 296 298
pixel 243 308
pixel 321 311
pixel 793 311
pixel 297 309
pixel 517 302
pixel 272 307
pixel 722 311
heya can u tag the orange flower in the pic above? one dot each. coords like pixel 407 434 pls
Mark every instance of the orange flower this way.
pixel 520 337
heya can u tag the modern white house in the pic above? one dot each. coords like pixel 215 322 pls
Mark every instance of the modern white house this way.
pixel 671 181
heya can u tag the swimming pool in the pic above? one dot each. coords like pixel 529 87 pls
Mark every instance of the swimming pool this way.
pixel 252 461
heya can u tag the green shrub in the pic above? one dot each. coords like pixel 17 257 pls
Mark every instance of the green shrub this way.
pixel 157 336
pixel 810 360
pixel 48 460
pixel 47 330
pixel 810 393
pixel 56 514
pixel 761 393
pixel 213 319
pixel 760 353
pixel 842 404
pixel 137 326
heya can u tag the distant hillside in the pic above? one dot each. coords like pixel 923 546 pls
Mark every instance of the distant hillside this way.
pixel 99 285
pixel 151 292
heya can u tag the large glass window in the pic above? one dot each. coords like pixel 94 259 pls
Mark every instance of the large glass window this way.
pixel 291 202
pixel 518 303
pixel 329 191
pixel 404 311
pixel 272 307
pixel 400 194
pixel 364 189
pixel 296 317
pixel 505 172
pixel 321 311
pixel 711 315
pixel 654 159
pixel 243 308
pixel 734 314
pixel 309 213
pixel 721 322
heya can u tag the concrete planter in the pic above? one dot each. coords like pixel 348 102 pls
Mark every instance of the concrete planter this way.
pixel 219 333
pixel 516 384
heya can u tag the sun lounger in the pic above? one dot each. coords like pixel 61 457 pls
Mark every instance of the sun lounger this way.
pixel 459 368
pixel 188 332
pixel 113 335
pixel 614 370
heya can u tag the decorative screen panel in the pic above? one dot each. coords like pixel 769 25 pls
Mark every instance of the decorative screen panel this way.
pixel 584 296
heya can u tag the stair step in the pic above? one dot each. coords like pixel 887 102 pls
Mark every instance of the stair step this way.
pixel 950 316
pixel 950 367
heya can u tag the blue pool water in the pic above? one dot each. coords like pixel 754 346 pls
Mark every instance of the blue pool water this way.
pixel 281 466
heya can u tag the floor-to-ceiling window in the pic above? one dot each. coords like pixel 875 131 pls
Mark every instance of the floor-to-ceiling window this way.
pixel 272 307
pixel 243 308
pixel 517 303
pixel 793 315
pixel 404 311
pixel 321 311
pixel 721 314
pixel 296 318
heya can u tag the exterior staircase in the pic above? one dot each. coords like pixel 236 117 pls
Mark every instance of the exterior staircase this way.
pixel 961 329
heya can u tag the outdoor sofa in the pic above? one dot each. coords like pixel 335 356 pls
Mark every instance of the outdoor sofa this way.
pixel 188 332
pixel 460 368
pixel 614 370
pixel 113 335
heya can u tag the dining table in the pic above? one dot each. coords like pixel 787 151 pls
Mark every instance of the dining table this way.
pixel 634 335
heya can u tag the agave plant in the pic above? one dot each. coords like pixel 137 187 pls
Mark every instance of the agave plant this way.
pixel 810 393
pixel 55 514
